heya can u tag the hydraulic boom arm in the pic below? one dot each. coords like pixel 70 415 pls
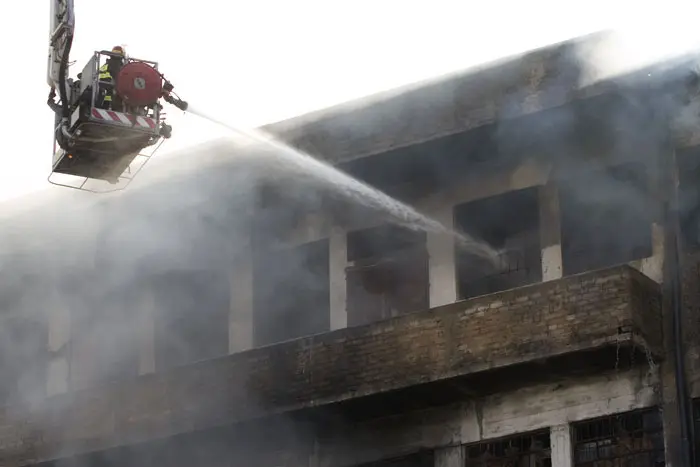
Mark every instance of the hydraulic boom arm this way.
pixel 61 33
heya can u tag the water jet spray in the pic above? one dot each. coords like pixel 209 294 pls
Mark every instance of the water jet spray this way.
pixel 355 190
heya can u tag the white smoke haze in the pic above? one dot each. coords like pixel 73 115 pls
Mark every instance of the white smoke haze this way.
pixel 97 256
pixel 661 44
pixel 633 47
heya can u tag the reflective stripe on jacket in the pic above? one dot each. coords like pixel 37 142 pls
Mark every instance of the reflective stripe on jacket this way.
pixel 104 73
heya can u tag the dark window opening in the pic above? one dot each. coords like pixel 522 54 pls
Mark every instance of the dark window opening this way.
pixel 689 196
pixel 510 224
pixel 387 275
pixel 23 360
pixel 421 459
pixel 281 208
pixel 104 346
pixel 191 316
pixel 633 439
pixel 291 293
pixel 23 331
pixel 524 450
pixel 606 218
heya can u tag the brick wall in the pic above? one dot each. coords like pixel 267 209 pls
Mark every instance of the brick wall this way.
pixel 516 326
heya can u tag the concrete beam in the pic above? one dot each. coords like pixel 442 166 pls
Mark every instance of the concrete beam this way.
pixel 562 454
pixel 59 336
pixel 442 269
pixel 550 233
pixel 338 245
pixel 451 456
pixel 514 87
pixel 241 311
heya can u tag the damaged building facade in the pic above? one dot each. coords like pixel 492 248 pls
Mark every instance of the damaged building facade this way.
pixel 337 337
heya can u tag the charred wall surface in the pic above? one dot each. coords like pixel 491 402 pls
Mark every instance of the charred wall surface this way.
pixel 503 92
pixel 483 337
pixel 485 430
pixel 578 313
pixel 542 79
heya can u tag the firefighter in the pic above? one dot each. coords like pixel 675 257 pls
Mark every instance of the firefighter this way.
pixel 108 76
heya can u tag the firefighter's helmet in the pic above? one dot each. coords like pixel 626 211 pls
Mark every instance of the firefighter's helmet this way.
pixel 118 49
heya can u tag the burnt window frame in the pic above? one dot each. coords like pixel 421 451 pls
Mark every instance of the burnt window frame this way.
pixel 303 253
pixel 601 430
pixel 637 175
pixel 520 256
pixel 423 458
pixel 378 249
pixel 174 327
pixel 504 443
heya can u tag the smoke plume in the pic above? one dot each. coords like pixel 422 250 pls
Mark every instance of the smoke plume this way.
pixel 163 249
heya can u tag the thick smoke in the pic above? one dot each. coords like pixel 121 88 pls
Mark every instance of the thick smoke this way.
pixel 163 250
pixel 647 109
pixel 111 264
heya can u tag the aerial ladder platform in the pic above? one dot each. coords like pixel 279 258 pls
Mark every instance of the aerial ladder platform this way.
pixel 107 117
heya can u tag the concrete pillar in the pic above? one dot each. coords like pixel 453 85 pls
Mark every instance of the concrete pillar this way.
pixel 240 330
pixel 653 266
pixel 58 371
pixel 338 261
pixel 550 233
pixel 147 334
pixel 442 267
pixel 562 452
pixel 452 456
